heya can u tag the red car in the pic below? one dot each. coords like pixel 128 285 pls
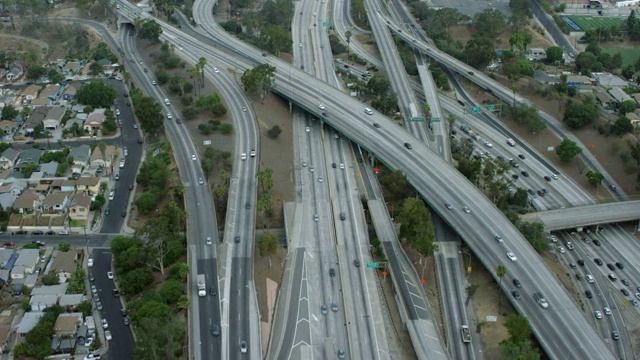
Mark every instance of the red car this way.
pixel 9 244
pixel 133 61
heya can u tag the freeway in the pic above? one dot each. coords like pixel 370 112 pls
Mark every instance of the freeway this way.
pixel 562 329
pixel 586 215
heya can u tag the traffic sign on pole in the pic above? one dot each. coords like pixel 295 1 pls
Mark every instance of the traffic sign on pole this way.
pixel 491 107
pixel 374 265
pixel 476 109
pixel 326 23
pixel 435 119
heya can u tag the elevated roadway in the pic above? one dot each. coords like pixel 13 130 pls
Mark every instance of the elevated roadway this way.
pixel 562 328
pixel 586 215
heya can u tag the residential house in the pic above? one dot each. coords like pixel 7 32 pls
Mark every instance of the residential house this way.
pixel 29 94
pixel 575 80
pixel 54 117
pixel 42 188
pixel 619 95
pixel 28 322
pixel 56 202
pixel 71 68
pixel 71 301
pixel 41 302
pixel 608 80
pixel 607 101
pixel 57 290
pixel 67 324
pixel 535 54
pixel 98 160
pixel 5 256
pixel 61 345
pixel 47 170
pixel 70 93
pixel 7 200
pixel 9 127
pixel 15 72
pixel 8 158
pixel 80 155
pixel 65 265
pixel 36 117
pixel 28 202
pixel 94 121
pixel 633 117
pixel 89 185
pixel 545 78
pixel 68 185
pixel 26 263
pixel 50 92
pixel 636 97
pixel 105 63
pixel 15 187
pixel 79 207
pixel 29 156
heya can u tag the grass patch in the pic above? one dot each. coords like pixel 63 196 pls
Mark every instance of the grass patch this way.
pixel 595 22
pixel 629 55
pixel 77 223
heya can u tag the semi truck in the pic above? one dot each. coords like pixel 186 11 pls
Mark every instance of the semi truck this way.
pixel 202 290
pixel 466 335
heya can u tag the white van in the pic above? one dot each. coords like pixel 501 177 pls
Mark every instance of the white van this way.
pixel 368 111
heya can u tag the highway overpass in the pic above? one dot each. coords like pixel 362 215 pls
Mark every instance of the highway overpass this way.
pixel 586 215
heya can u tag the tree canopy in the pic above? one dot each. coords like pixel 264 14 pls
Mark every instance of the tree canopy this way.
pixel 259 80
pixel 417 227
pixel 577 115
pixel 97 94
pixel 151 31
pixel 567 150
pixel 554 53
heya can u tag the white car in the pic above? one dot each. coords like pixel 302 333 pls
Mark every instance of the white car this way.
pixel 252 153
pixel 117 111
pixel 553 238
pixel 499 239
pixel 561 249
pixel 154 82
pixel 307 129
pixel 167 102
pixel 244 109
pixel 488 144
pixel 215 70
pixel 94 289
pixel 193 157
pixel 321 107
pixel 466 209
pixel 121 164
pixel 342 166
pixel 208 240
pixel 598 314
pixel 200 181
pixel 607 311
pixel 243 156
pixel 105 324
pixel 512 256
pixel 169 116
pixel 320 178
pixel 88 342
pixel 90 262
pixel 110 275
pixel 107 335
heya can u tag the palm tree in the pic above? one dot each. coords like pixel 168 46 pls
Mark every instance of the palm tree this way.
pixel 348 34
pixel 501 271
pixel 194 73
pixel 201 63
pixel 103 147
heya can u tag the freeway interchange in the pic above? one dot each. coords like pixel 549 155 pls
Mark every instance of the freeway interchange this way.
pixel 561 328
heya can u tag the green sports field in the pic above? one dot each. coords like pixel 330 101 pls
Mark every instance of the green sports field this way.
pixel 594 22
pixel 629 55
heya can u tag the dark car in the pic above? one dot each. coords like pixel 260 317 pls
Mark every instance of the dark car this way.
pixel 51 232
pixel 126 321
pixel 615 335
pixel 37 232
pixel 611 267
pixel 408 146
pixel 139 140
pixel 9 244
pixel 515 176
pixel 215 330
pixel 619 265
pixel 332 272
pixel 91 277
pixel 572 265
pixel 547 178
pixel 517 283
pixel 524 173
pixel 516 295
pixel 596 242
pixel 530 191
pixel 333 165
pixel 625 292
pixel 598 261
pixel 578 277
pixel 123 213
pixel 123 312
pixel 588 294
pixel 540 192
pixel 116 292
pixel 356 263
pixel 625 282
pixel 376 125
pixel 580 262
pixel 21 232
pixel 212 291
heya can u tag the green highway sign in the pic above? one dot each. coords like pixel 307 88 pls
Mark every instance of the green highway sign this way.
pixel 435 119
pixel 326 23
pixel 491 107
pixel 476 109
pixel 374 265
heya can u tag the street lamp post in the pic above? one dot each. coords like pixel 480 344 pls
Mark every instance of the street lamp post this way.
pixel 86 239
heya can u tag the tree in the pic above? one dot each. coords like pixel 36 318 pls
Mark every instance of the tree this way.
pixel 533 233
pixel 151 31
pixel 212 103
pixel 622 125
pixel 585 61
pixel 501 271
pixel 64 246
pixel 36 72
pixel 274 132
pixel 518 327
pixel 171 291
pixel 50 279
pixel 267 244
pixel 97 94
pixel 627 106
pixel 577 115
pixel 395 185
pixel 259 80
pixel 265 178
pixel 567 150
pixel 554 53
pixel 519 350
pixel 489 24
pixel 347 35
pixel 594 178
pixel 55 77
pixel 9 113
pixel 480 52
pixel 416 226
